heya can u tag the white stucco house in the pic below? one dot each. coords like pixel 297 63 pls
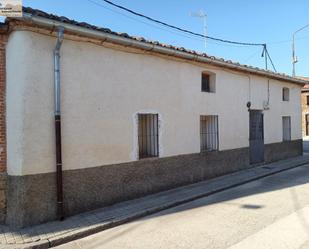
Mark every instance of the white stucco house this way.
pixel 137 117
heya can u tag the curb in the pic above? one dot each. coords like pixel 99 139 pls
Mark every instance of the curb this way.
pixel 62 239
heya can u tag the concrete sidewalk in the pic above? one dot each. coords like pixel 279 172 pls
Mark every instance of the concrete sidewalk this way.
pixel 56 233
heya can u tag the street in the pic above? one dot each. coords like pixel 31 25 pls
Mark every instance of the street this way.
pixel 272 212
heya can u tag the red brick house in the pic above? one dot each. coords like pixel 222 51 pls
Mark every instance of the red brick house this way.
pixel 305 108
pixel 3 41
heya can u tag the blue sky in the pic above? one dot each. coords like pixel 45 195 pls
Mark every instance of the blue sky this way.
pixel 259 21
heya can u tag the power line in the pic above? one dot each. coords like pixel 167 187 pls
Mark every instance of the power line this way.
pixel 267 56
pixel 149 24
pixel 181 29
pixel 264 52
pixel 189 36
pixel 251 56
pixel 161 28
pixel 287 41
pixel 198 39
pixel 271 61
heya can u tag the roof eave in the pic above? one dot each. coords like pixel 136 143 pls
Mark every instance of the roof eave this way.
pixel 50 23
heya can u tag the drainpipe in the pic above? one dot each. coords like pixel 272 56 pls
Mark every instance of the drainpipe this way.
pixel 60 212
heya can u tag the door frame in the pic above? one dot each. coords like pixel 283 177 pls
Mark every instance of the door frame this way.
pixel 307 124
pixel 256 144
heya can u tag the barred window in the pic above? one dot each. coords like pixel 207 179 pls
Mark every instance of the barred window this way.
pixel 209 133
pixel 148 139
pixel 286 128
pixel 205 83
pixel 285 94
pixel 208 83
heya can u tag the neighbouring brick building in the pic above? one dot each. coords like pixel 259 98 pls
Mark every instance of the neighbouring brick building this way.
pixel 305 108
pixel 138 117
pixel 3 41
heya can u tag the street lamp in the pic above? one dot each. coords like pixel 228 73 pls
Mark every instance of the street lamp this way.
pixel 294 57
pixel 201 14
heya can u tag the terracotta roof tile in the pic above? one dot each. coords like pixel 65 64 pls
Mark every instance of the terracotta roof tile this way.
pixel 39 13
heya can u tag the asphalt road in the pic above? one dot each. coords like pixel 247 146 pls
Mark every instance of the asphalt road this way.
pixel 272 212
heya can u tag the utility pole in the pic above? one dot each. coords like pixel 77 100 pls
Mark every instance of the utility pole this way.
pixel 264 54
pixel 294 57
pixel 201 14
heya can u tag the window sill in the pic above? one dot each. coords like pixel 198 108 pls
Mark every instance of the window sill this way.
pixel 148 158
pixel 207 92
pixel 209 152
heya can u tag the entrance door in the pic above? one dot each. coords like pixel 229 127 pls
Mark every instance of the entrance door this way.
pixel 256 139
pixel 307 124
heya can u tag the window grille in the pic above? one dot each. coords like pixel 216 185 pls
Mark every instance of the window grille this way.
pixel 286 128
pixel 148 139
pixel 208 82
pixel 205 83
pixel 209 133
pixel 285 94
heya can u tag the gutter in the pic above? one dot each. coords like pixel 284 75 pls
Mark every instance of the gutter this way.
pixel 60 33
pixel 131 42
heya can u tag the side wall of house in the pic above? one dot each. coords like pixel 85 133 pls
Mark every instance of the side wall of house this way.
pixel 102 92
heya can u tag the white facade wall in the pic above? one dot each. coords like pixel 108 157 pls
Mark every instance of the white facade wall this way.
pixel 103 89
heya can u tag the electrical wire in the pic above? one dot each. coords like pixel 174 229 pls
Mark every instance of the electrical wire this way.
pixel 165 29
pixel 287 41
pixel 161 28
pixel 149 24
pixel 251 56
pixel 271 61
pixel 198 39
pixel 214 39
pixel 181 29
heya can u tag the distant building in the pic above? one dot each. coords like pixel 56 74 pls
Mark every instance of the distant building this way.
pixel 305 108
pixel 138 117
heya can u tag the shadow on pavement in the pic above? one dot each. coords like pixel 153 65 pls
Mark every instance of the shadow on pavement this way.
pixel 288 180
pixel 284 180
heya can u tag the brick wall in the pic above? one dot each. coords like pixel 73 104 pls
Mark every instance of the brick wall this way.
pixel 3 40
pixel 305 110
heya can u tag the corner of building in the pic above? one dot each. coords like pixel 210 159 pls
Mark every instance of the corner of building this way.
pixel 3 171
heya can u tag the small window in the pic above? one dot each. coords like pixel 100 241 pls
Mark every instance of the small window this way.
pixel 285 94
pixel 205 83
pixel 209 133
pixel 286 128
pixel 148 139
pixel 307 100
pixel 208 83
